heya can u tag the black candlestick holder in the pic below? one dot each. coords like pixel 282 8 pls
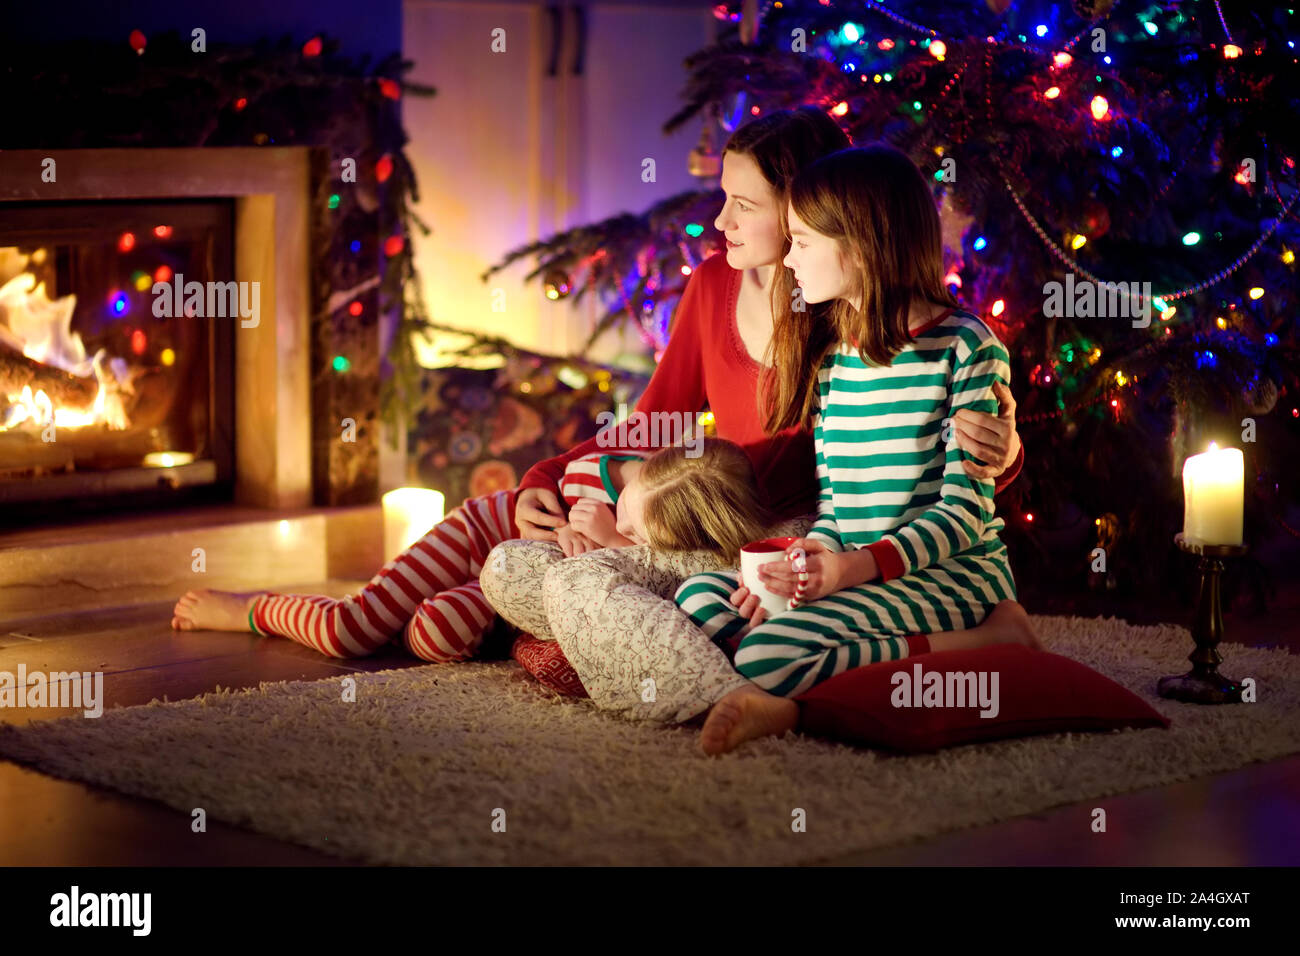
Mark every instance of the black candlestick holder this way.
pixel 1203 684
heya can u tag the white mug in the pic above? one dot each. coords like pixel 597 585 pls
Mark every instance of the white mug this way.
pixel 761 552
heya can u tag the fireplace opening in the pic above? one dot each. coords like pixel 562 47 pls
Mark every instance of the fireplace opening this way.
pixel 104 403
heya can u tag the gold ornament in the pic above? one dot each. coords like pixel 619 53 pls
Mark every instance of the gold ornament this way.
pixel 704 161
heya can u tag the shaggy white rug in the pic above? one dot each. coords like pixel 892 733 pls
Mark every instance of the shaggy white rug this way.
pixel 476 764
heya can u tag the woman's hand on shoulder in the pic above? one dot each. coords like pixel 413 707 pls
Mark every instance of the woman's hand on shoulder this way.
pixel 991 438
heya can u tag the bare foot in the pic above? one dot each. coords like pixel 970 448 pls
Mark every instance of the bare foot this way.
pixel 206 609
pixel 747 712
pixel 1009 624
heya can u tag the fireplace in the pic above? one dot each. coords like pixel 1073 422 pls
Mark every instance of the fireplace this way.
pixel 109 397
pixel 279 419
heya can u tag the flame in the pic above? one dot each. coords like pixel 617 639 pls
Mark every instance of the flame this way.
pixel 41 328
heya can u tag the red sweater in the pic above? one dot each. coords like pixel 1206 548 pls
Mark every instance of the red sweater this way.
pixel 706 366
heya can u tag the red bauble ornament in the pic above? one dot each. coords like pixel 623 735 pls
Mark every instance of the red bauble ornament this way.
pixel 312 47
pixel 138 41
pixel 390 89
pixel 393 245
pixel 384 168
pixel 1096 219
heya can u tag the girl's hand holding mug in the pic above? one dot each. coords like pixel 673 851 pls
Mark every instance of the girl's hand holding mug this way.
pixel 825 572
pixel 748 605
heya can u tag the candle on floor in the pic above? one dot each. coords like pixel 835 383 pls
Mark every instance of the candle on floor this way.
pixel 1212 495
pixel 409 513
pixel 167 459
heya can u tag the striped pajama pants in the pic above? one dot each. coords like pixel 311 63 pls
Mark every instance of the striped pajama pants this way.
pixel 429 593
pixel 791 653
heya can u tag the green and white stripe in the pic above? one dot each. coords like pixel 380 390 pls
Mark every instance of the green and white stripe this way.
pixel 886 473
pixel 884 468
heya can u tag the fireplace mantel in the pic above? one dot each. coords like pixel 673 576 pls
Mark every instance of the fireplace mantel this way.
pixel 271 189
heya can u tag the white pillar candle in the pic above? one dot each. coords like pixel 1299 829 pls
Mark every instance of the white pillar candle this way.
pixel 167 459
pixel 1212 496
pixel 409 514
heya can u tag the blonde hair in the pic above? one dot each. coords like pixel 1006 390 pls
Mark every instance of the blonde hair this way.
pixel 709 503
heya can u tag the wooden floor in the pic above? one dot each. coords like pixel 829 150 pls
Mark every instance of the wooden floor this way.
pixel 1247 817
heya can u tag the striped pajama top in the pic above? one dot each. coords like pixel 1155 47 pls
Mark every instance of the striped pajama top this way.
pixel 589 477
pixel 889 469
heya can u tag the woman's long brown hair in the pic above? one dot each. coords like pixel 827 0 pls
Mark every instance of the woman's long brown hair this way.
pixel 878 205
pixel 782 143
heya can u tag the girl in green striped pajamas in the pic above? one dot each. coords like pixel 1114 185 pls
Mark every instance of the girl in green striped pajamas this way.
pixel 906 541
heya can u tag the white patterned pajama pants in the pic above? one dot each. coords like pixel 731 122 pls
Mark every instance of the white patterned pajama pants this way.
pixel 613 614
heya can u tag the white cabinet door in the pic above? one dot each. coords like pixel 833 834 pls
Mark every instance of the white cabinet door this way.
pixel 634 73
pixel 484 164
pixel 506 154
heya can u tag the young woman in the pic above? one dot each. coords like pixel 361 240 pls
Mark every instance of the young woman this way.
pixel 612 611
pixel 722 330
pixel 905 540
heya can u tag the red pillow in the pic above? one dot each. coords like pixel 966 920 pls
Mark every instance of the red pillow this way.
pixel 1037 693
pixel 545 661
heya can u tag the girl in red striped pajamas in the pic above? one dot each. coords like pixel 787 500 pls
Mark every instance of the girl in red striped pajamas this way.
pixel 430 593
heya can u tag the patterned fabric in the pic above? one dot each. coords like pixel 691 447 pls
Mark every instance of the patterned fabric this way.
pixel 612 614
pixel 891 481
pixel 590 477
pixel 479 430
pixel 545 661
pixel 430 593
pixel 889 469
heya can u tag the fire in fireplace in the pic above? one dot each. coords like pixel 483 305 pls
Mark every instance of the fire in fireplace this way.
pixel 104 402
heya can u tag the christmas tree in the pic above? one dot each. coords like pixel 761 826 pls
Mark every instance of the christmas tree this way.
pixel 1145 150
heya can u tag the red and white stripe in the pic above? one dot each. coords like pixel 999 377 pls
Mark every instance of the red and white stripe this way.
pixel 429 593
pixel 582 475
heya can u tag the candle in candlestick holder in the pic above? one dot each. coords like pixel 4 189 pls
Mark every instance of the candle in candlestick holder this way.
pixel 1212 494
pixel 409 514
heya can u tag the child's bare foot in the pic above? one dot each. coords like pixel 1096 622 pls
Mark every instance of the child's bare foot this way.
pixel 206 609
pixel 747 712
pixel 1008 623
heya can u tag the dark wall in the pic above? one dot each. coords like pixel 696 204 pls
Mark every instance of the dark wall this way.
pixel 371 26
